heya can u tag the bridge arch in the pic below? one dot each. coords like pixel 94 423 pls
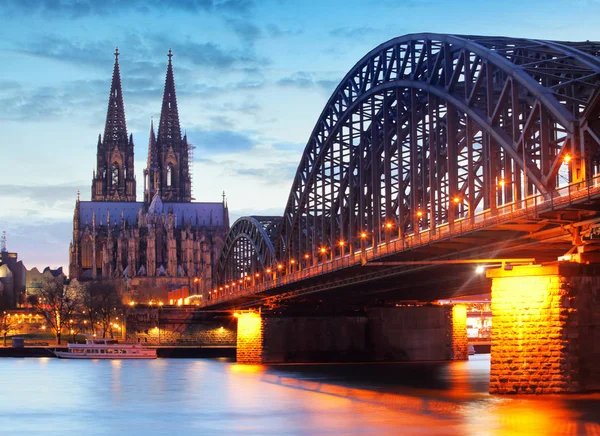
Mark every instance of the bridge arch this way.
pixel 249 247
pixel 428 129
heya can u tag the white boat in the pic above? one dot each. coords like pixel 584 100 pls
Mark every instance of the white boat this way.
pixel 106 349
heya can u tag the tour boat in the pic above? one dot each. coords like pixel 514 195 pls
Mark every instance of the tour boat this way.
pixel 106 349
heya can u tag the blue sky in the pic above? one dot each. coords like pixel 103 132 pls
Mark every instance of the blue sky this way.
pixel 252 78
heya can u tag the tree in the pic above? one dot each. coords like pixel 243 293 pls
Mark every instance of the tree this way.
pixel 102 304
pixel 57 303
pixel 7 323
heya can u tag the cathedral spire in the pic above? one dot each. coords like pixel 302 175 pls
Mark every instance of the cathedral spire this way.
pixel 152 150
pixel 115 130
pixel 114 179
pixel 169 130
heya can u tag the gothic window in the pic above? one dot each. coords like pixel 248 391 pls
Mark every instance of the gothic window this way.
pixel 115 174
pixel 170 175
pixel 87 250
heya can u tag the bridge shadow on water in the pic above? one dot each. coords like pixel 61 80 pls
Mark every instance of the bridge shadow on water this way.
pixel 454 392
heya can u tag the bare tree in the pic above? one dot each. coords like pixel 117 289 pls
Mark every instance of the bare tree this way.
pixel 57 303
pixel 7 323
pixel 102 305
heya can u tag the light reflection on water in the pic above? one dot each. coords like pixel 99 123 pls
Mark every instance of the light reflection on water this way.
pixel 193 396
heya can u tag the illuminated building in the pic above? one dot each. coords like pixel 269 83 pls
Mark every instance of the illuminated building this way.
pixel 166 240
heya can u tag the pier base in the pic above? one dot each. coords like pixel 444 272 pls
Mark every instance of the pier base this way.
pixel 425 333
pixel 545 329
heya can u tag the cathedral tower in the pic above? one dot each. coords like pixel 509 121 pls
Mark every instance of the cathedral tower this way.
pixel 168 162
pixel 114 178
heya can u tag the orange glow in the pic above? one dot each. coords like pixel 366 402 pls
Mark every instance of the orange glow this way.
pixel 388 225
pixel 567 158
pixel 160 303
pixel 456 200
pixel 236 315
pixel 307 256
pixel 292 261
pixel 342 243
pixel 257 275
pixel 363 235
pixel 249 338
pixel 132 303
pixel 280 266
pixel 240 281
pixel 323 250
pixel 501 183
pixel 226 286
pixel 196 280
pixel 269 270
pixel 419 214
pixel 248 279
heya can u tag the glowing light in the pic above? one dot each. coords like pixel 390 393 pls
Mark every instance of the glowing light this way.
pixel 280 266
pixel 196 280
pixel 160 303
pixel 292 261
pixel 257 275
pixel 388 225
pixel 480 270
pixel 419 214
pixel 269 270
pixel 342 243
pixel 323 250
pixel 307 256
pixel 240 281
pixel 456 200
pixel 248 279
pixel 567 158
pixel 363 235
pixel 501 183
pixel 132 303
pixel 236 315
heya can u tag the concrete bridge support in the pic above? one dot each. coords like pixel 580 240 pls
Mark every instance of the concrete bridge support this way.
pixel 381 334
pixel 545 329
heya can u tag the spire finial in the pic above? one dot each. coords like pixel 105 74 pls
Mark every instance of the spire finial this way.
pixel 223 197
pixel 117 53
pixel 78 194
pixel 170 55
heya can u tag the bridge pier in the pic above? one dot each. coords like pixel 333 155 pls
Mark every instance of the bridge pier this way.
pixel 409 333
pixel 545 329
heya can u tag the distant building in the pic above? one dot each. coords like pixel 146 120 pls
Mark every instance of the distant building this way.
pixel 162 242
pixel 35 279
pixel 12 277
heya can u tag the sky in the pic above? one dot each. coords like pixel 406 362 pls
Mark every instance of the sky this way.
pixel 252 78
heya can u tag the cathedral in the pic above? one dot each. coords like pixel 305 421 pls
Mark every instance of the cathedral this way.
pixel 163 242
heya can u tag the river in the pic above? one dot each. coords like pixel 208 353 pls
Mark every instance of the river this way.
pixel 47 396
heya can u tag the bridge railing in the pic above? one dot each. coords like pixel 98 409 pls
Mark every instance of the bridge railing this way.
pixel 530 207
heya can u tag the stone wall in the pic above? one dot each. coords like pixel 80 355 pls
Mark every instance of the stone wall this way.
pixel 384 334
pixel 314 339
pixel 545 329
pixel 180 326
pixel 418 333
pixel 249 347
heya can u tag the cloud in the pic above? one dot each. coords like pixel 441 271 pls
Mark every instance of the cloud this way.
pixel 353 32
pixel 74 9
pixel 245 30
pixel 36 243
pixel 220 141
pixel 42 196
pixel 304 80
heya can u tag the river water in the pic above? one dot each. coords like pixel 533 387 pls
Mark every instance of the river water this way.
pixel 174 397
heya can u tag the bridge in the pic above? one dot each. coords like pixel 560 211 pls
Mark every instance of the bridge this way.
pixel 435 154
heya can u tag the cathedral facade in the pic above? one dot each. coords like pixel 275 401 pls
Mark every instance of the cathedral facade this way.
pixel 164 241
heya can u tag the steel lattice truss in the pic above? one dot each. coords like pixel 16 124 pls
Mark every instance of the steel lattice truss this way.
pixel 249 247
pixel 427 129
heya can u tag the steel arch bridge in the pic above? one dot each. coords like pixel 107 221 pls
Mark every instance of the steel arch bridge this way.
pixel 427 131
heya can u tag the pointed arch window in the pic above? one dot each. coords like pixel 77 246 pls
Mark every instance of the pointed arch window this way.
pixel 169 175
pixel 114 171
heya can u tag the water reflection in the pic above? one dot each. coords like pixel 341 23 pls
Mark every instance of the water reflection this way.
pixel 187 396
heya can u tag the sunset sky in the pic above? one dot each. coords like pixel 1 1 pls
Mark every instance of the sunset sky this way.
pixel 252 78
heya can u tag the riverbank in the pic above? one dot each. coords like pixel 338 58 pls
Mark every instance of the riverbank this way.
pixel 162 351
